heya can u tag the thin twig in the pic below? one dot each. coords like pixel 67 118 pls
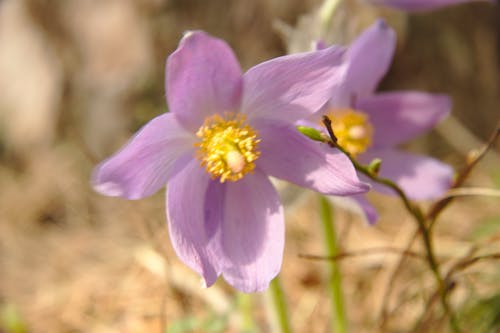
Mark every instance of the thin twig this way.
pixel 436 209
pixel 441 204
pixel 473 191
pixel 364 252
pixel 460 265
pixel 422 322
pixel 384 312
pixel 466 262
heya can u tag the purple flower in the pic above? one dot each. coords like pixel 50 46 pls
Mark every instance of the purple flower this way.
pixel 224 135
pixel 421 5
pixel 369 125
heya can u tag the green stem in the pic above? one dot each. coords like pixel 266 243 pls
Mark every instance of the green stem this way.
pixel 279 304
pixel 334 279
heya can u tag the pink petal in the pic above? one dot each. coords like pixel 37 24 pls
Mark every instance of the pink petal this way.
pixel 193 231
pixel 291 156
pixel 290 87
pixel 203 77
pixel 359 205
pixel 369 58
pixel 147 161
pixel 369 212
pixel 253 233
pixel 421 5
pixel 421 177
pixel 400 116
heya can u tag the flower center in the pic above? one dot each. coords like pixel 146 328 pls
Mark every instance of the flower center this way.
pixel 352 129
pixel 227 147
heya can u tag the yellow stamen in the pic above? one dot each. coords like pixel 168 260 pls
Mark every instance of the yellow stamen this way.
pixel 227 147
pixel 352 129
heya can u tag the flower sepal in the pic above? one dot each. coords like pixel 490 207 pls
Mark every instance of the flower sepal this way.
pixel 374 166
pixel 312 133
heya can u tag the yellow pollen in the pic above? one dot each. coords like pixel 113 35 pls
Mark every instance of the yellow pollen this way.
pixel 352 129
pixel 227 147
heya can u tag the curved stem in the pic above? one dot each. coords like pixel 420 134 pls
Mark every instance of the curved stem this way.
pixel 418 216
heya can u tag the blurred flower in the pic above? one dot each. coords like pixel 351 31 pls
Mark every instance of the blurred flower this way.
pixel 370 125
pixel 421 5
pixel 224 135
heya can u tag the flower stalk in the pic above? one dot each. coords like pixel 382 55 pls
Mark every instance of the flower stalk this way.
pixel 339 324
pixel 278 303
pixel 418 216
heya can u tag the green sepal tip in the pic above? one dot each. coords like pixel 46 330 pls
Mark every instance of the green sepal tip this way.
pixel 311 133
pixel 374 166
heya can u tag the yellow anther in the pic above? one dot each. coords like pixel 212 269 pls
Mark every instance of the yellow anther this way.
pixel 352 129
pixel 227 147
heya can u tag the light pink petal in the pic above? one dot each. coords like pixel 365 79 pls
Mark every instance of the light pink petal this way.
pixel 290 87
pixel 421 5
pixel 289 155
pixel 203 77
pixel 400 116
pixel 192 230
pixel 369 212
pixel 421 177
pixel 253 233
pixel 147 161
pixel 369 58
pixel 359 205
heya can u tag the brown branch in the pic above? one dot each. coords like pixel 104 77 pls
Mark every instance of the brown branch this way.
pixel 441 204
pixel 451 284
pixel 434 212
pixel 384 312
pixel 364 252
pixel 467 262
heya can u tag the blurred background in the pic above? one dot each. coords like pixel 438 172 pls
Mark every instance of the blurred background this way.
pixel 78 77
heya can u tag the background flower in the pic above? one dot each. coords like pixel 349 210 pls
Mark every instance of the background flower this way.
pixel 224 134
pixel 421 5
pixel 369 125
